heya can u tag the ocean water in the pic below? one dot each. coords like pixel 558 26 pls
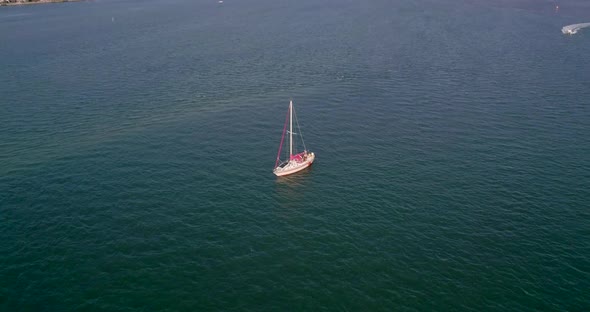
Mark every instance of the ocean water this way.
pixel 137 140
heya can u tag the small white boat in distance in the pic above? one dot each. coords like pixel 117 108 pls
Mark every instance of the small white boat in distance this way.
pixel 573 29
pixel 569 31
pixel 297 161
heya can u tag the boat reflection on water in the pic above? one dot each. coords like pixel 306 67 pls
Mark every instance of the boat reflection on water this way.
pixel 295 180
pixel 290 190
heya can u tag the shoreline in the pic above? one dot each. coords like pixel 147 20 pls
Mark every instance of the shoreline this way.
pixel 25 2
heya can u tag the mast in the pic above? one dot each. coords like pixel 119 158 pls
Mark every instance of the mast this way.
pixel 290 129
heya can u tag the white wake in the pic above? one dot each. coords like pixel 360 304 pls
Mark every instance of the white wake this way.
pixel 572 29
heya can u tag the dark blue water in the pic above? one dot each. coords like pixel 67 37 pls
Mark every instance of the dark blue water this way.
pixel 137 140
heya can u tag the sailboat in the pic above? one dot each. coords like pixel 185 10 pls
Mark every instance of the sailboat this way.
pixel 297 161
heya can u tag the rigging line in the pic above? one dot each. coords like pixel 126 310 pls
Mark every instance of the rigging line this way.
pixel 282 139
pixel 299 128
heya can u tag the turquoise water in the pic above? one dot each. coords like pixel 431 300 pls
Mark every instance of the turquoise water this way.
pixel 137 142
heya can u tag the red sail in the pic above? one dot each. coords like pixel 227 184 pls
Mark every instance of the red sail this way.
pixel 282 139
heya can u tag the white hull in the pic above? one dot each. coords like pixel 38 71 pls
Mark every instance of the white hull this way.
pixel 293 166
